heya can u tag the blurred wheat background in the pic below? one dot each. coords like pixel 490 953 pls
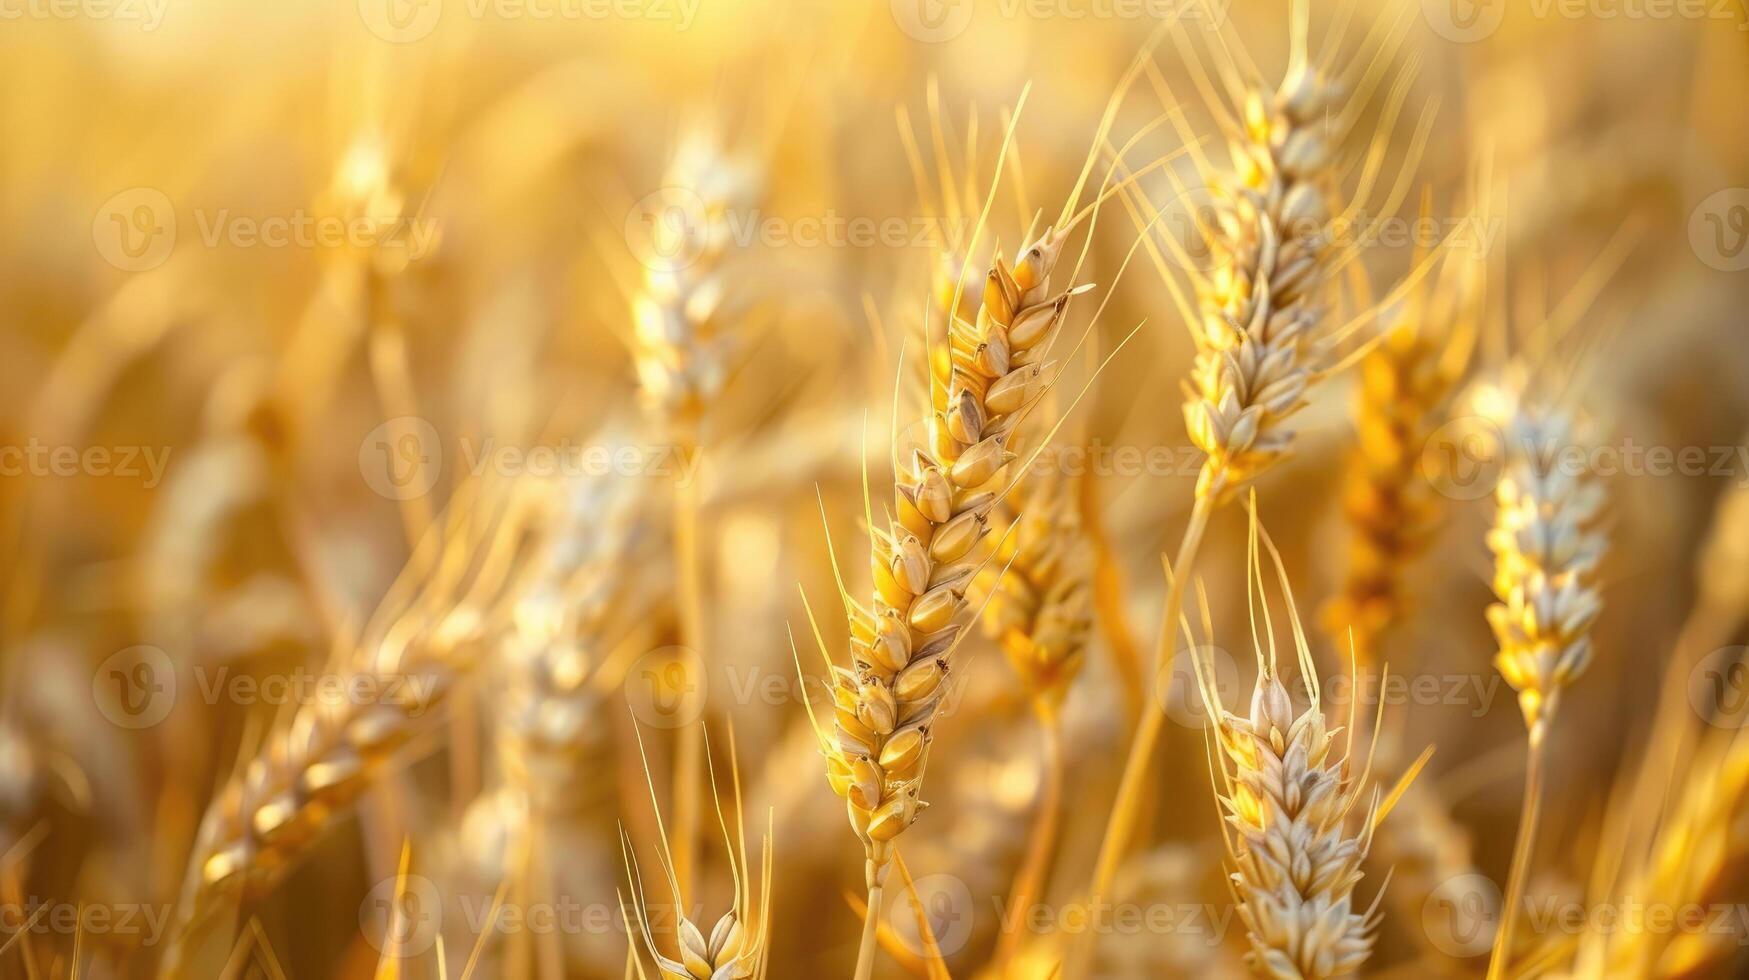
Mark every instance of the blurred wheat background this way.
pixel 487 486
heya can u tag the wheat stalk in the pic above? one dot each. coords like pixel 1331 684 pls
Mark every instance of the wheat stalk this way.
pixel 432 630
pixel 1261 338
pixel 1288 796
pixel 1040 613
pixel 688 320
pixel 924 562
pixel 1546 552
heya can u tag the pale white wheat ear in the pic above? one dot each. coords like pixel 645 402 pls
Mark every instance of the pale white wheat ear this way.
pixel 735 949
pixel 690 317
pixel 1296 830
pixel 1546 547
pixel 689 303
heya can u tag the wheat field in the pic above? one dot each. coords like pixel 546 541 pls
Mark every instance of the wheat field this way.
pixel 714 489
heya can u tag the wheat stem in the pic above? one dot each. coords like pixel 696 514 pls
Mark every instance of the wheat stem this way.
pixel 689 754
pixel 1129 794
pixel 870 930
pixel 1029 881
pixel 1521 851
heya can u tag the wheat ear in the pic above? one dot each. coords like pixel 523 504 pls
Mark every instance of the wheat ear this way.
pixel 1405 384
pixel 1546 551
pixel 1260 342
pixel 1289 795
pixel 737 944
pixel 925 560
pixel 686 340
pixel 462 579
